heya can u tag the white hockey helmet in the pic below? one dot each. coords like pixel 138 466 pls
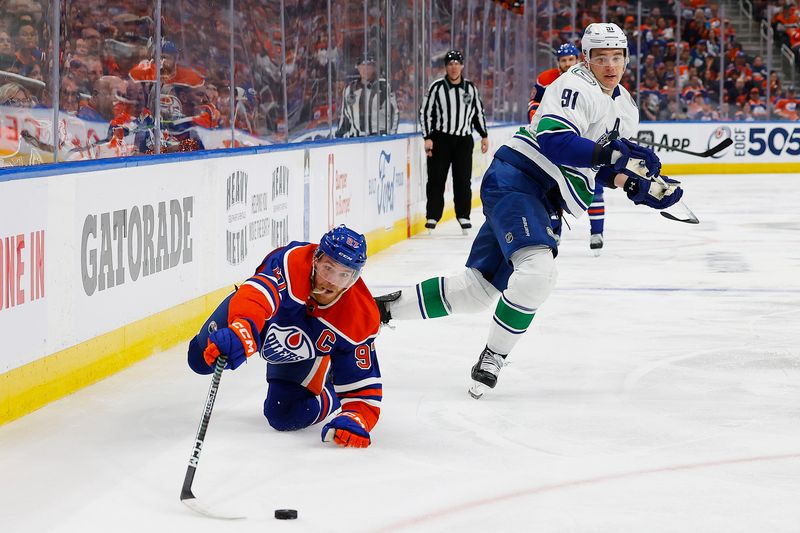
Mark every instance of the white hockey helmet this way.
pixel 603 35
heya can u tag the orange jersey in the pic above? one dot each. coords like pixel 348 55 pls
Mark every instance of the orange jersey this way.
pixel 545 78
pixel 145 71
pixel 295 328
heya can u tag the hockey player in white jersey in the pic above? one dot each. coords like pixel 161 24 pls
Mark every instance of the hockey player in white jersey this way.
pixel 578 141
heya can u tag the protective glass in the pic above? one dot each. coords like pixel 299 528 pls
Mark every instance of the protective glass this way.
pixel 334 273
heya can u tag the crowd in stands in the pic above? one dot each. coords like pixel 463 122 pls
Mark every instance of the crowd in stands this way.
pixel 289 79
pixel 784 17
pixel 679 67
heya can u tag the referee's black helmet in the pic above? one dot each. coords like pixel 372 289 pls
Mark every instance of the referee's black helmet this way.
pixel 454 55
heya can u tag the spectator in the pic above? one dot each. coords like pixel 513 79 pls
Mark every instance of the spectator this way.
pixel 28 54
pixel 663 31
pixel 203 112
pixel 794 42
pixel 651 106
pixel 171 72
pixel 69 98
pixel 739 68
pixel 698 54
pixel 759 70
pixel 13 94
pixel 697 28
pixel 100 107
pixel 81 52
pixel 786 107
pixel 774 85
pixel 785 20
pixel 93 41
pixel 79 71
pixel 756 106
pixel 738 92
pixel 7 57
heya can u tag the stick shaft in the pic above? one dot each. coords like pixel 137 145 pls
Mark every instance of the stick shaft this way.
pixel 194 458
pixel 708 153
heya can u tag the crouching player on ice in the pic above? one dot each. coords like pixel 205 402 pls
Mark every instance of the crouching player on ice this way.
pixel 308 314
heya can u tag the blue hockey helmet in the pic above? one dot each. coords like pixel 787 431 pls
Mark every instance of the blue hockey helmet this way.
pixel 346 247
pixel 168 47
pixel 568 49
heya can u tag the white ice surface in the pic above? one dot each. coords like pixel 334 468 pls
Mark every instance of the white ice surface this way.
pixel 659 390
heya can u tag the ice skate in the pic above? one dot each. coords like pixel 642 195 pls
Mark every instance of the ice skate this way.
pixel 596 243
pixel 430 225
pixel 484 373
pixel 465 225
pixel 383 302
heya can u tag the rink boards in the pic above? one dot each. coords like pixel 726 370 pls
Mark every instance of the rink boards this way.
pixel 101 267
pixel 104 264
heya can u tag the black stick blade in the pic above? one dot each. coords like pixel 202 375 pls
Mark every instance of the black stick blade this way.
pixel 718 148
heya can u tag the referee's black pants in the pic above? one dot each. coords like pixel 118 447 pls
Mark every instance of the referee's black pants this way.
pixel 456 150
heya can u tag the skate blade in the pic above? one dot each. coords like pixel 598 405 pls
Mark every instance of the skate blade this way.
pixel 477 390
pixel 596 252
pixel 464 231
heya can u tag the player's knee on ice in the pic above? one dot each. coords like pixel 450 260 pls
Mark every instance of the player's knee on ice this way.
pixel 289 406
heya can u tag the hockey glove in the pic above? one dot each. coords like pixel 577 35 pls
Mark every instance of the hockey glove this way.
pixel 347 429
pixel 625 152
pixel 236 341
pixel 659 193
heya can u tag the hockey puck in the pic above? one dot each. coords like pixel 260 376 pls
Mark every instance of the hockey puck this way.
pixel 285 514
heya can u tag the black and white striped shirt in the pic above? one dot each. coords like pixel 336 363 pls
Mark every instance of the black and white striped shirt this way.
pixel 364 110
pixel 453 109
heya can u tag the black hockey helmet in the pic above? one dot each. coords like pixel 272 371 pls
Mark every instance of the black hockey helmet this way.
pixel 453 55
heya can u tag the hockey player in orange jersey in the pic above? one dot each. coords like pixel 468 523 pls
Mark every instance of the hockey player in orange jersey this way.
pixel 307 312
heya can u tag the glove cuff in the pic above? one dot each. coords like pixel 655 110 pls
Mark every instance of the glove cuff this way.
pixel 602 154
pixel 243 328
pixel 355 417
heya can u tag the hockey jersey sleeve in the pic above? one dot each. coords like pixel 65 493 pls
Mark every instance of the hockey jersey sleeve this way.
pixel 429 112
pixel 258 298
pixel 357 381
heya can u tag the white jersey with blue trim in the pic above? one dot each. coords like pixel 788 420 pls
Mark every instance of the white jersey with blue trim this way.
pixel 575 102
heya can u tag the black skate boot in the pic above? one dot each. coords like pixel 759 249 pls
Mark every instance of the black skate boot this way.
pixel 383 302
pixel 596 243
pixel 484 373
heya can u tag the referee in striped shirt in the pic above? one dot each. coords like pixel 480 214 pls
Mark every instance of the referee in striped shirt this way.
pixel 451 109
pixel 365 102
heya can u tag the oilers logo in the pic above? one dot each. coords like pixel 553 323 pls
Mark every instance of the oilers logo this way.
pixel 719 134
pixel 286 345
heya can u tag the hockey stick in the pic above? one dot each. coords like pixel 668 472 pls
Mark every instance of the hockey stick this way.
pixel 187 497
pixel 708 153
